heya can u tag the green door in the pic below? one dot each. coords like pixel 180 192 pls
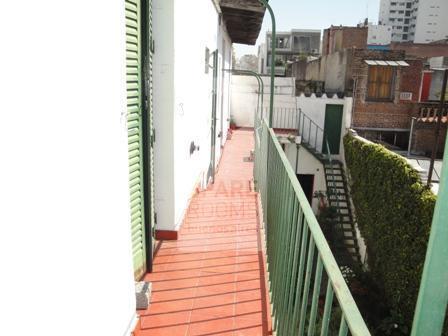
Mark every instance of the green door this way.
pixel 138 80
pixel 333 125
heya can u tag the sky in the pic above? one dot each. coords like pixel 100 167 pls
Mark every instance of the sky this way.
pixel 314 14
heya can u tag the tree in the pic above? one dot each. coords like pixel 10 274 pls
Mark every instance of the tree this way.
pixel 247 62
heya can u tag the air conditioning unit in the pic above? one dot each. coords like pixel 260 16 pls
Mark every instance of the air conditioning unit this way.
pixel 406 96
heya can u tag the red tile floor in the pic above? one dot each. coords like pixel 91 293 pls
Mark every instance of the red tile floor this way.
pixel 212 280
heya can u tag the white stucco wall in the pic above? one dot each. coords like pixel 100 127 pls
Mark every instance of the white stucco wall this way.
pixel 314 108
pixel 163 96
pixel 65 241
pixel 431 23
pixel 183 110
pixel 244 97
pixel 309 165
pixel 379 34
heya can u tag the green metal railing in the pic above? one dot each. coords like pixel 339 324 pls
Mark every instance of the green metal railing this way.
pixel 301 266
pixel 432 300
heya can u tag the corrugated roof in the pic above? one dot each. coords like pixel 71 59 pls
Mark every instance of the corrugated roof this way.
pixel 385 63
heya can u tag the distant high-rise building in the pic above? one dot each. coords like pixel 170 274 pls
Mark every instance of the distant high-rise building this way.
pixel 418 21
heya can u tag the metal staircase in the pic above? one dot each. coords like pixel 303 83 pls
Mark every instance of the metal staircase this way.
pixel 338 197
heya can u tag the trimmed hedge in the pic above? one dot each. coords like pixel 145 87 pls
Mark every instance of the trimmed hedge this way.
pixel 394 212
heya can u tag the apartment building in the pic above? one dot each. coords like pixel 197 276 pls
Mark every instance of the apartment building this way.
pixel 416 21
pixel 290 46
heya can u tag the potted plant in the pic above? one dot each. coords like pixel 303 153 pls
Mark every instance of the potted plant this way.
pixel 232 124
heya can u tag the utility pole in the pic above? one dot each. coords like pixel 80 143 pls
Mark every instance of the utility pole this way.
pixel 439 124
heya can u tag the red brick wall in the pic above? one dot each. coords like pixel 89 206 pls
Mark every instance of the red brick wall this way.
pixel 394 114
pixel 325 41
pixel 339 38
pixel 421 50
pixel 355 37
pixel 411 78
pixel 424 137
pixel 383 115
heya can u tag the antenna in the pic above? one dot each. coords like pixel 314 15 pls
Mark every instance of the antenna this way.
pixel 367 10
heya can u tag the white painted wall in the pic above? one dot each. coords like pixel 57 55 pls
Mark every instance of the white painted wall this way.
pixel 431 23
pixel 314 108
pixel 245 94
pixel 163 96
pixel 65 243
pixel 182 111
pixel 309 165
pixel 379 34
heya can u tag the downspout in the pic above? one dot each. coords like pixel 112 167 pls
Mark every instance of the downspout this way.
pixel 214 106
pixel 273 46
pixel 260 85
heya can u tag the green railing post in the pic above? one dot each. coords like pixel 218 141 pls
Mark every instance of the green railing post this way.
pixel 273 47
pixel 433 295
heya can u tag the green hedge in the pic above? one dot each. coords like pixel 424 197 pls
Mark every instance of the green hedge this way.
pixel 394 212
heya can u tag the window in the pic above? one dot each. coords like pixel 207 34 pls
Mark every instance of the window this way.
pixel 405 29
pixel 405 36
pixel 380 82
pixel 392 11
pixel 408 13
pixel 406 21
pixel 408 5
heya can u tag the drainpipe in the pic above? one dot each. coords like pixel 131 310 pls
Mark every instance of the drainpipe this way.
pixel 297 158
pixel 260 85
pixel 273 46
pixel 410 136
pixel 214 107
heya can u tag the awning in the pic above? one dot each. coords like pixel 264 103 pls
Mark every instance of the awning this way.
pixel 387 63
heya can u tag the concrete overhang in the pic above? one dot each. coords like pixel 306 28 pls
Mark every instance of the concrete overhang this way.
pixel 243 19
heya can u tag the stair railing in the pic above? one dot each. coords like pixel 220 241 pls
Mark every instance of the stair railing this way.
pixel 307 128
pixel 333 180
pixel 310 132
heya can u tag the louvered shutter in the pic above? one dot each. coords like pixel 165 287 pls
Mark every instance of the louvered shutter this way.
pixel 135 133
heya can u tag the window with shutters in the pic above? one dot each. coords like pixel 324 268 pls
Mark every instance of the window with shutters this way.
pixel 380 84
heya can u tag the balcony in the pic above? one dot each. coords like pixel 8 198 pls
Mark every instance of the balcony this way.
pixel 243 251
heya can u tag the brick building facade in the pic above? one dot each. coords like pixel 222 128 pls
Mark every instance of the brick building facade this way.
pixel 386 88
pixel 421 50
pixel 337 38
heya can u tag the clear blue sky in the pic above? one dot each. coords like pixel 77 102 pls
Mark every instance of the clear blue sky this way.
pixel 314 14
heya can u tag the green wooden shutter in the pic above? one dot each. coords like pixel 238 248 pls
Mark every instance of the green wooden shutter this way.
pixel 135 134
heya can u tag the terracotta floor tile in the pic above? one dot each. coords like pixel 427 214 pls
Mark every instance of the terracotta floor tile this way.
pixel 173 295
pixel 207 278
pixel 220 311
pixel 169 285
pixel 207 290
pixel 180 330
pixel 212 326
pixel 213 300
pixel 173 306
pixel 209 281
pixel 164 320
